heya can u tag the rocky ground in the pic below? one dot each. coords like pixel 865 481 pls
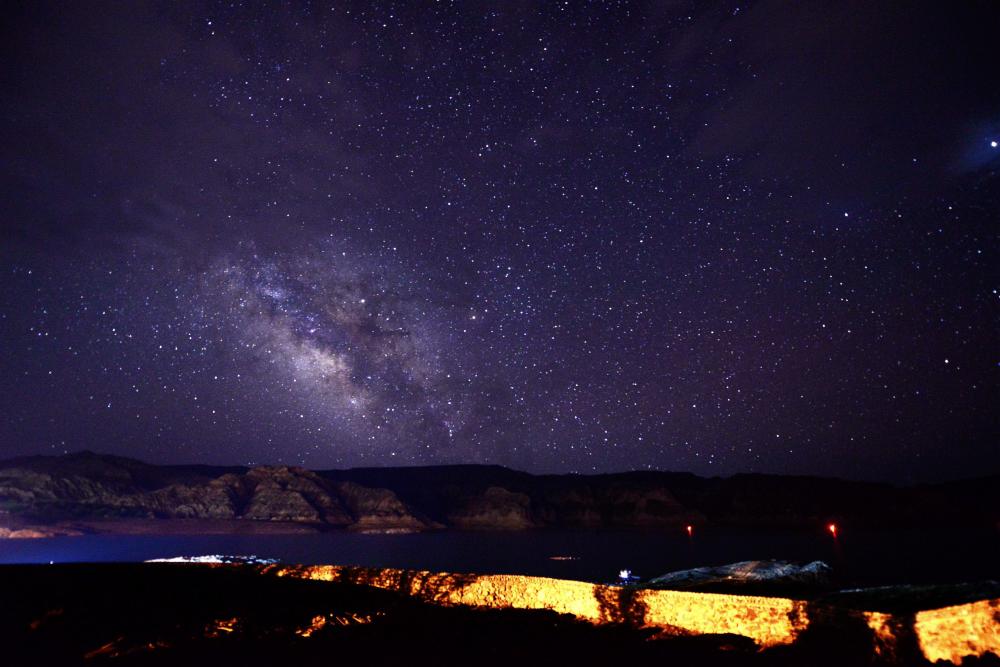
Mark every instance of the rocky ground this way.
pixel 88 492
pixel 167 614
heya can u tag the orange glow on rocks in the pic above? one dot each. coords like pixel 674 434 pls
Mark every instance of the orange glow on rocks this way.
pixel 884 634
pixel 768 621
pixel 321 621
pixel 952 633
pixel 949 634
pixel 318 623
pixel 105 650
pixel 119 648
pixel 220 627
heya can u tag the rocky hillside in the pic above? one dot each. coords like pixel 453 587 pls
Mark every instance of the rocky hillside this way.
pixel 87 485
pixel 46 490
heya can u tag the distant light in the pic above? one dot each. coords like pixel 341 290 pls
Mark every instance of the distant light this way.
pixel 993 144
pixel 833 529
pixel 690 530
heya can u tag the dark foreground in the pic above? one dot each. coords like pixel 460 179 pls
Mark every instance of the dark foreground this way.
pixel 174 614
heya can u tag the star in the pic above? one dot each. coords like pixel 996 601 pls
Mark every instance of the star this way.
pixel 584 237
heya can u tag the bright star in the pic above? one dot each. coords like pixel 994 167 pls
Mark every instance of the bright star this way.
pixel 993 144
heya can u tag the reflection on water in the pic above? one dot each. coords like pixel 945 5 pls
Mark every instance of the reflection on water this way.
pixel 864 558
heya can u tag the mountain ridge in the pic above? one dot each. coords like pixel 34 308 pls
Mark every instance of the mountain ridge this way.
pixel 87 485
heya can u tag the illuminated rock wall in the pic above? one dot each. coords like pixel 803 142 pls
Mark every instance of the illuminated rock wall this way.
pixel 949 633
pixel 768 621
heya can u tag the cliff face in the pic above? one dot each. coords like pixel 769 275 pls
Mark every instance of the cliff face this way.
pixel 495 508
pixel 87 486
pixel 107 488
pixel 378 509
pixel 290 494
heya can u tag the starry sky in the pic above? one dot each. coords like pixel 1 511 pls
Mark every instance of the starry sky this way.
pixel 715 237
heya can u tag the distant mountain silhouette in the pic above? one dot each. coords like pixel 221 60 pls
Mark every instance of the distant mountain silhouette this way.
pixel 85 486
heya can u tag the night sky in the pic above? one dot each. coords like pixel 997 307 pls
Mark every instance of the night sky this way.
pixel 557 236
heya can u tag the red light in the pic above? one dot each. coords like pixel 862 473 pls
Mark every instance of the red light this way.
pixel 833 529
pixel 690 530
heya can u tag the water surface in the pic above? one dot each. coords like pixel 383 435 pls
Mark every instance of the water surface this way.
pixel 863 558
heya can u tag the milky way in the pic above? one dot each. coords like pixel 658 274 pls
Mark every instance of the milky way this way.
pixel 569 237
pixel 363 355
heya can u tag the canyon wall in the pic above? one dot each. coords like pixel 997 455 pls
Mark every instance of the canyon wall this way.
pixel 88 486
